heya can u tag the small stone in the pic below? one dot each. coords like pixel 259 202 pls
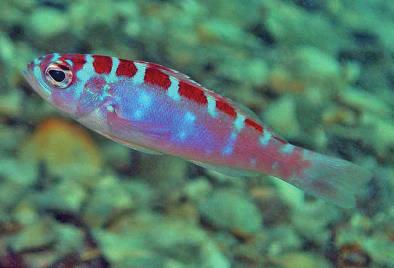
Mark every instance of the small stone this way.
pixel 109 198
pixel 168 174
pixel 35 235
pixel 271 205
pixel 281 115
pixel 65 148
pixel 25 212
pixel 141 193
pixel 10 138
pixel 18 172
pixel 230 210
pixel 69 239
pixel 283 239
pixel 145 236
pixel 11 103
pixel 352 255
pixel 380 134
pixel 364 102
pixel 197 189
pixel 311 220
pixel 66 195
pixel 301 259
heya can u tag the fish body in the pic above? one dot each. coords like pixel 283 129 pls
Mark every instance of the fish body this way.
pixel 155 109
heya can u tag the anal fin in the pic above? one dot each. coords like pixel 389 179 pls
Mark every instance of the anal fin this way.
pixel 227 171
pixel 135 146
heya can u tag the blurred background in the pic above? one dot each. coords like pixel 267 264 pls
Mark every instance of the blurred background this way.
pixel 320 73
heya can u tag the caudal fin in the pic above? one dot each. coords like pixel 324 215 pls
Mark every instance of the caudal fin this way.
pixel 335 180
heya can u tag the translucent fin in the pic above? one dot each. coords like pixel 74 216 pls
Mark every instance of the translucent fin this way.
pixel 172 72
pixel 134 146
pixel 335 180
pixel 247 111
pixel 231 172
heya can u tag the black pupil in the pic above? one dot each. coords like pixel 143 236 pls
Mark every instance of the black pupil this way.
pixel 56 75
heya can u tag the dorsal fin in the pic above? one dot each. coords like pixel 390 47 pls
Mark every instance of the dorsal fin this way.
pixel 172 72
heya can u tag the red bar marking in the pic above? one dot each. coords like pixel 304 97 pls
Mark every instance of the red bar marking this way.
pixel 126 68
pixel 254 125
pixel 102 64
pixel 192 92
pixel 156 77
pixel 78 60
pixel 226 108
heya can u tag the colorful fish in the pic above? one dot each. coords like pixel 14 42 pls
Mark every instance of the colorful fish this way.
pixel 152 108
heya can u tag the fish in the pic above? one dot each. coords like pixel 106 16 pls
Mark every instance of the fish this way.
pixel 155 109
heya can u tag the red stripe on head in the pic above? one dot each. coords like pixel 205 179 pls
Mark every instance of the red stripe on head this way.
pixel 102 64
pixel 78 60
pixel 156 77
pixel 254 124
pixel 192 92
pixel 226 108
pixel 126 68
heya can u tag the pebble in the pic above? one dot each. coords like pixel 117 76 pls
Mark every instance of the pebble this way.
pixel 149 236
pixel 66 149
pixel 35 235
pixel 281 115
pixel 109 199
pixel 232 211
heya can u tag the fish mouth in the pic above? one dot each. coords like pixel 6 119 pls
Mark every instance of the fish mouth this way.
pixel 35 82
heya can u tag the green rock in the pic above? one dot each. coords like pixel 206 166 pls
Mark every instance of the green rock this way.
pixel 232 211
pixel 69 239
pixel 147 235
pixel 48 22
pixel 67 195
pixel 109 198
pixel 35 235
pixel 311 220
pixel 302 259
pixel 281 115
pixel 18 172
pixel 198 189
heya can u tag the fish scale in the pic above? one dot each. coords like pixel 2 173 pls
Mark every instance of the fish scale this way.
pixel 150 107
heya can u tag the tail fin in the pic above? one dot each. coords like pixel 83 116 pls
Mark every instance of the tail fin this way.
pixel 332 179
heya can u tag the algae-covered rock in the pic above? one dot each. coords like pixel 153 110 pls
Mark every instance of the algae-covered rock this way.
pixel 11 103
pixel 66 195
pixel 168 173
pixel 301 259
pixel 369 237
pixel 18 172
pixel 283 239
pixel 198 189
pixel 281 115
pixel 232 211
pixel 35 235
pixel 364 101
pixel 108 199
pixel 143 236
pixel 69 239
pixel 311 220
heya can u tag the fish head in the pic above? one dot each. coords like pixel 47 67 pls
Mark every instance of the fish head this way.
pixel 54 78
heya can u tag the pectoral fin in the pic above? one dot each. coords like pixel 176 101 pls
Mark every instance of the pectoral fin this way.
pixel 129 132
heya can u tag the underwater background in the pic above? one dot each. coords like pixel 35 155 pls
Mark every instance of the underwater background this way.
pixel 320 73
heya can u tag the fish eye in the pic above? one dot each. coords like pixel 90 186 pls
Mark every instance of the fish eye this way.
pixel 58 74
